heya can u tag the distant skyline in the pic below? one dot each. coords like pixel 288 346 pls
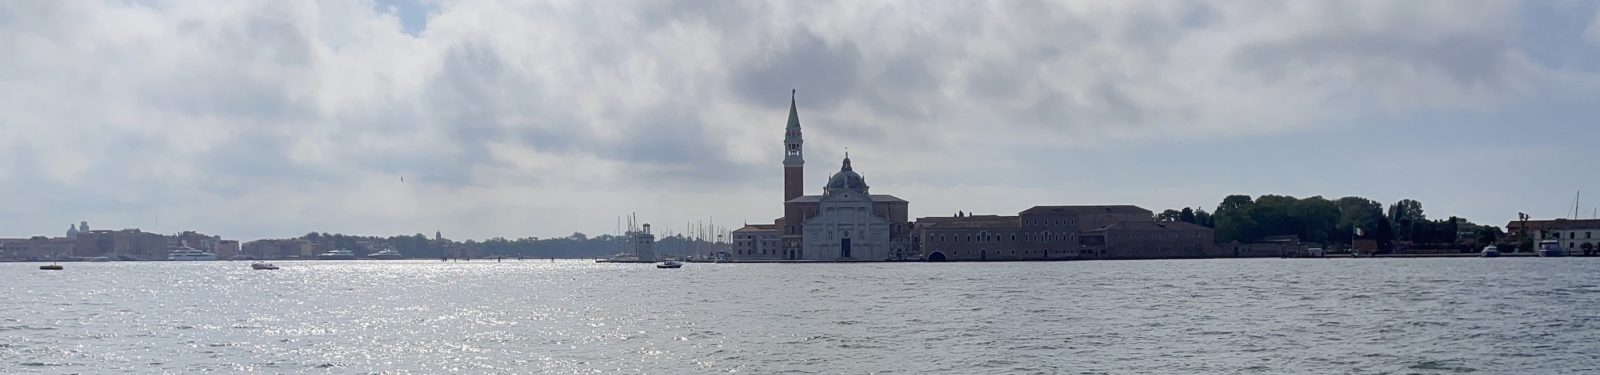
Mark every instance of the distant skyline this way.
pixel 270 119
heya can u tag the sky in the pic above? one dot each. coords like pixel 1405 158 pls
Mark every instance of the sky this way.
pixel 488 118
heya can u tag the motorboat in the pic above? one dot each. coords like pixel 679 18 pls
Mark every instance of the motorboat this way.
pixel 337 254
pixel 262 266
pixel 1551 248
pixel 51 267
pixel 670 264
pixel 1491 251
pixel 187 253
pixel 386 254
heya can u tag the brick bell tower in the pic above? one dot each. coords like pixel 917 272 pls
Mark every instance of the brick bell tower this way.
pixel 794 164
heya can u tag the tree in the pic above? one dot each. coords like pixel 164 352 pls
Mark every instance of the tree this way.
pixel 1233 202
pixel 1168 215
pixel 1187 215
pixel 1204 218
pixel 1384 235
pixel 1408 218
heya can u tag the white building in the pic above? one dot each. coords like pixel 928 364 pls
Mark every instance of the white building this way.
pixel 846 226
pixel 1576 237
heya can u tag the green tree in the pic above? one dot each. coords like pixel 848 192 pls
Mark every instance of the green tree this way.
pixel 1168 215
pixel 1187 215
pixel 1204 218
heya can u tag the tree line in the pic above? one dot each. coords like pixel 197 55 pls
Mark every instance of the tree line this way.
pixel 1341 221
pixel 577 245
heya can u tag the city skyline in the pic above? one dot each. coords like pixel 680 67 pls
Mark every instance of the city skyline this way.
pixel 501 119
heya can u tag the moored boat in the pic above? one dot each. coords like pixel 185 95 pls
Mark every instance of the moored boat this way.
pixel 386 254
pixel 187 253
pixel 337 254
pixel 1551 248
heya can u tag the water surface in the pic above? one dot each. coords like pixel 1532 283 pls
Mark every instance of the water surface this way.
pixel 1268 316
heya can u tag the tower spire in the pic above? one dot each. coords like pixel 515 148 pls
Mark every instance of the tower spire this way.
pixel 793 157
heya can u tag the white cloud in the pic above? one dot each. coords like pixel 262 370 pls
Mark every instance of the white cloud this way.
pixel 538 118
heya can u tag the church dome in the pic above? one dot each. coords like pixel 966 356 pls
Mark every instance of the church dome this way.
pixel 847 178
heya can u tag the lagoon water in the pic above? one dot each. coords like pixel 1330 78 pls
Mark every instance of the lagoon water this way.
pixel 1268 316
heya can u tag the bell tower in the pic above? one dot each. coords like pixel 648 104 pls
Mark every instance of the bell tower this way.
pixel 794 164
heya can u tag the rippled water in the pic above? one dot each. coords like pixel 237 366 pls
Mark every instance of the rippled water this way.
pixel 1267 316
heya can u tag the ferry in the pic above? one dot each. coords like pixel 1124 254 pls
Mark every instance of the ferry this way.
pixel 386 254
pixel 187 254
pixel 337 254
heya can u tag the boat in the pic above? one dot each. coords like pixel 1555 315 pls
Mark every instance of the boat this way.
pixel 670 264
pixel 1551 248
pixel 337 254
pixel 262 266
pixel 187 253
pixel 386 254
pixel 1491 251
pixel 51 267
pixel 722 257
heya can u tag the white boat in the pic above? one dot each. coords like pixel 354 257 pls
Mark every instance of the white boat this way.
pixel 670 264
pixel 1551 248
pixel 337 254
pixel 186 253
pixel 1491 251
pixel 262 266
pixel 386 254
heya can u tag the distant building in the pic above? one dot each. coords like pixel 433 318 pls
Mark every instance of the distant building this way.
pixel 195 240
pixel 644 244
pixel 278 249
pixel 37 248
pixel 1061 232
pixel 1574 236
pixel 757 241
pixel 846 222
pixel 227 249
pixel 121 244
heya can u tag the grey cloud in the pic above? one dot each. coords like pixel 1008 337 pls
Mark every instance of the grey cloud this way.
pixel 1468 59
pixel 805 62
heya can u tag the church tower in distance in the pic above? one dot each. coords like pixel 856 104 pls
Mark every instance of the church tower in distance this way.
pixel 794 165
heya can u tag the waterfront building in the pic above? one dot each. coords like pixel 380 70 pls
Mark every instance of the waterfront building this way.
pixel 278 249
pixel 757 241
pixel 1576 237
pixel 227 249
pixel 1060 233
pixel 121 244
pixel 644 243
pixel 37 248
pixel 846 222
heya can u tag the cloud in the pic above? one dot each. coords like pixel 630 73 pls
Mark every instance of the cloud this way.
pixel 274 118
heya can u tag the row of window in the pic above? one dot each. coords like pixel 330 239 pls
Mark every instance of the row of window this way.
pixel 988 237
pixel 1570 235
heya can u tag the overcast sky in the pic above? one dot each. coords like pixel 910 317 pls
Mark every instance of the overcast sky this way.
pixel 258 119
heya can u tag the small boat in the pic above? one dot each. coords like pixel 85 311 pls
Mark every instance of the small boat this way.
pixel 51 267
pixel 1550 249
pixel 670 264
pixel 262 266
pixel 1491 251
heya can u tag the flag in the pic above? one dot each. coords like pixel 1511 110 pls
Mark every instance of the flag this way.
pixel 1358 232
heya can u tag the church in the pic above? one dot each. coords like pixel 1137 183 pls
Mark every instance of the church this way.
pixel 845 223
